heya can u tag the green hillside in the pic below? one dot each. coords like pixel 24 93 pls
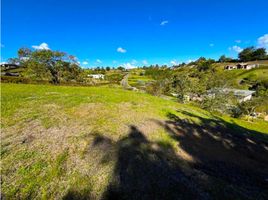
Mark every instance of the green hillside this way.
pixel 62 142
pixel 244 79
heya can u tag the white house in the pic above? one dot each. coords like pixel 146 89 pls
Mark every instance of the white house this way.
pixel 241 95
pixel 230 67
pixel 241 66
pixel 96 76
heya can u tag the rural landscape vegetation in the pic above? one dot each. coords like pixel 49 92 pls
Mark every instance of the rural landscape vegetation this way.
pixel 195 129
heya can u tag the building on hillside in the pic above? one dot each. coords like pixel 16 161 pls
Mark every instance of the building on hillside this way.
pixel 230 67
pixel 241 66
pixel 6 66
pixel 241 95
pixel 96 76
pixel 246 66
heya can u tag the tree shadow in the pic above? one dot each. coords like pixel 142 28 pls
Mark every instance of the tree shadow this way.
pixel 147 170
pixel 226 164
pixel 234 159
pixel 143 170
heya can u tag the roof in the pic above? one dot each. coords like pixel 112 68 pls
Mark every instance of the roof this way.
pixel 241 93
pixel 96 74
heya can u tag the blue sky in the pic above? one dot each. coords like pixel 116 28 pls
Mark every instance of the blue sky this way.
pixel 132 32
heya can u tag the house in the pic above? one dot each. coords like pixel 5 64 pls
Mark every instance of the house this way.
pixel 241 95
pixel 241 66
pixel 246 66
pixel 96 76
pixel 7 66
pixel 230 67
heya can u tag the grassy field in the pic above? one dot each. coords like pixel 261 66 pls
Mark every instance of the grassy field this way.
pixel 137 78
pixel 62 142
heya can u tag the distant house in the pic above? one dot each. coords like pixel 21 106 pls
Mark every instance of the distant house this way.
pixel 6 66
pixel 241 95
pixel 96 76
pixel 230 67
pixel 241 66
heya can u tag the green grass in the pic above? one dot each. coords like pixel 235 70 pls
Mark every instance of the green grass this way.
pixel 48 134
pixel 137 80
pixel 236 76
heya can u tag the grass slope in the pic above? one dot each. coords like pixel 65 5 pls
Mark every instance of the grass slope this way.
pixel 107 143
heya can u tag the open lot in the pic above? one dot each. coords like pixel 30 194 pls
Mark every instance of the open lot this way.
pixel 62 142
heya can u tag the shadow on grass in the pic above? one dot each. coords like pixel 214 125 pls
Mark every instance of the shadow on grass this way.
pixel 229 162
pixel 234 159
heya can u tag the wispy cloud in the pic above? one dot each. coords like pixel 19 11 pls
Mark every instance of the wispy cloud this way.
pixel 121 50
pixel 128 66
pixel 163 23
pixel 211 45
pixel 85 63
pixel 134 62
pixel 263 41
pixel 43 46
pixel 236 48
pixel 174 62
pixel 145 62
pixel 190 60
pixel 98 61
pixel 2 45
pixel 238 41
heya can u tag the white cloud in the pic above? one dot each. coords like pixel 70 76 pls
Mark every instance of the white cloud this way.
pixel 114 61
pixel 263 41
pixel 128 66
pixel 163 23
pixel 79 62
pixel 134 62
pixel 121 50
pixel 190 60
pixel 43 46
pixel 211 45
pixel 98 61
pixel 174 62
pixel 145 62
pixel 85 63
pixel 238 41
pixel 236 49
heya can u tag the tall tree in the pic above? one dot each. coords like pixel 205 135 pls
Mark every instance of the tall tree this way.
pixel 246 54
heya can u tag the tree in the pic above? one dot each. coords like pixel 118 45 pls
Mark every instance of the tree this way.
pixel 48 65
pixel 259 54
pixel 203 64
pixel 223 58
pixel 24 52
pixel 248 107
pixel 121 68
pixel 251 53
pixel 246 54
pixel 181 84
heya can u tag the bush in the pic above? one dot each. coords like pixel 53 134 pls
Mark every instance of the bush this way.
pixel 236 112
pixel 14 79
